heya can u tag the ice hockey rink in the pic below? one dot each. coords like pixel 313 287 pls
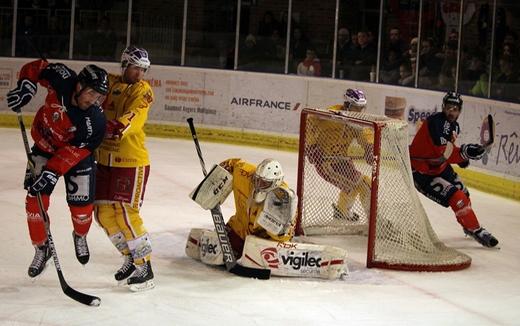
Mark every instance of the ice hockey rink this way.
pixel 189 293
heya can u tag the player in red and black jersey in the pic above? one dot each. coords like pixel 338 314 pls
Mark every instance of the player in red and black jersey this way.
pixel 66 130
pixel 432 152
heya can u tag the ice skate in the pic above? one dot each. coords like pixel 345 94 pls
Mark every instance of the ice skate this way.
pixel 41 256
pixel 142 279
pixel 339 215
pixel 126 269
pixel 483 237
pixel 81 247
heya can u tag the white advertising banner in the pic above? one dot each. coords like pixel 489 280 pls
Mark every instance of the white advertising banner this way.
pixel 272 103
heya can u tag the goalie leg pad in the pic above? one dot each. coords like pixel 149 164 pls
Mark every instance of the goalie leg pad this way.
pixel 214 189
pixel 203 245
pixel 193 243
pixel 295 259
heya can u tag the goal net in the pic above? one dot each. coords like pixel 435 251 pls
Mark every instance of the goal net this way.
pixel 354 178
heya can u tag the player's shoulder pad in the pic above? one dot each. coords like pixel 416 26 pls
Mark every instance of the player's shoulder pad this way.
pixel 60 77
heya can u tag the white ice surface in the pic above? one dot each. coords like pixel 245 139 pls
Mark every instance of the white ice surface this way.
pixel 189 293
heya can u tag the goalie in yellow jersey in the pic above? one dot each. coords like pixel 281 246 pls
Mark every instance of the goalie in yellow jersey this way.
pixel 123 168
pixel 327 146
pixel 263 224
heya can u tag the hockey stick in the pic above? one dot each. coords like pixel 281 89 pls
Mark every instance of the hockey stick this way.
pixel 86 299
pixel 487 132
pixel 229 257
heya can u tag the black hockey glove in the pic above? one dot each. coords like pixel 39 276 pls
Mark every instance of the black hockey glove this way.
pixel 472 151
pixel 44 183
pixel 464 164
pixel 21 95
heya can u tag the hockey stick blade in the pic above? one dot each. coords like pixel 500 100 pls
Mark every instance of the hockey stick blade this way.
pixel 487 131
pixel 84 298
pixel 240 270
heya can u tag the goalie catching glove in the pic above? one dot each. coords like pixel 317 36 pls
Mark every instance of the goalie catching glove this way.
pixel 214 189
pixel 279 211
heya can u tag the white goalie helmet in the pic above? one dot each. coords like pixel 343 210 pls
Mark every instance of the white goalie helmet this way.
pixel 135 56
pixel 355 99
pixel 268 176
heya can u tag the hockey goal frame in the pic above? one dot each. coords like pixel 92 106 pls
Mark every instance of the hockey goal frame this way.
pixel 378 123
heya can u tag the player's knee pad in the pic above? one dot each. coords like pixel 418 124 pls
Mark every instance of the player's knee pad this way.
pixel 35 219
pixel 295 259
pixel 140 247
pixel 119 241
pixel 81 218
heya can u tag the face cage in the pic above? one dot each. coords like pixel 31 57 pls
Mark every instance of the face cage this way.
pixel 261 184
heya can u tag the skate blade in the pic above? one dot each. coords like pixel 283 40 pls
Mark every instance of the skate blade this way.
pixel 148 285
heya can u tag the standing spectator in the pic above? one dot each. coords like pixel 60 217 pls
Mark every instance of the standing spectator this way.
pixel 66 130
pixel 310 66
pixel 406 78
pixel 364 58
pixel 344 52
pixel 123 168
pixel 430 64
pixel 395 42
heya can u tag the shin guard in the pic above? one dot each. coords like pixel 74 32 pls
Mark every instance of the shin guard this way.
pixel 461 205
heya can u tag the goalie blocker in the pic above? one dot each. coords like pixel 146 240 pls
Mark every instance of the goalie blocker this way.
pixel 214 188
pixel 282 258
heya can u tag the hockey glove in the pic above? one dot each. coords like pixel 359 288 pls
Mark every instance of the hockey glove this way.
pixel 21 95
pixel 44 183
pixel 472 151
pixel 464 164
pixel 114 129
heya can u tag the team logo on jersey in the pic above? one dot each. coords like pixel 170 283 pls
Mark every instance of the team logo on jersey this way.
pixel 148 97
pixel 55 116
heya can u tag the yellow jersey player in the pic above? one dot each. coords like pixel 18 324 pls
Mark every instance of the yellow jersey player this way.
pixel 327 145
pixel 123 168
pixel 263 224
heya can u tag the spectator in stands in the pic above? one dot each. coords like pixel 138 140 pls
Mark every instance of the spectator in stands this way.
pixel 344 52
pixel 412 50
pixel 268 24
pixel 430 64
pixel 447 74
pixel 299 45
pixel 249 53
pixel 364 57
pixel 390 67
pixel 505 86
pixel 310 66
pixel 406 78
pixel 104 41
pixel 395 42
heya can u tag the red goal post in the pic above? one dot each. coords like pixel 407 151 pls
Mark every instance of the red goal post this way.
pixel 354 178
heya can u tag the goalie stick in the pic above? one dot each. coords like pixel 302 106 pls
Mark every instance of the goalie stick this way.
pixel 230 261
pixel 86 299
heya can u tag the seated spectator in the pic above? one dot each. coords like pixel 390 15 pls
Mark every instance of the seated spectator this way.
pixel 390 66
pixel 310 66
pixel 505 86
pixel 395 42
pixel 447 75
pixel 430 64
pixel 298 47
pixel 249 53
pixel 406 78
pixel 344 52
pixel 412 50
